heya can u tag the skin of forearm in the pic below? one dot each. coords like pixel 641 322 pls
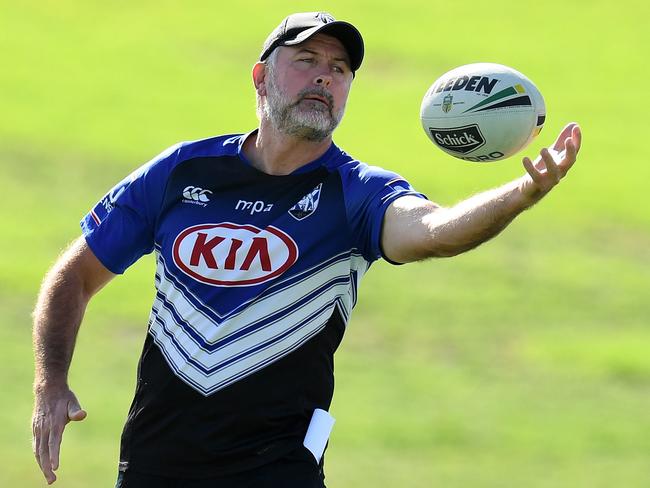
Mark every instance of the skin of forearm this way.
pixel 464 226
pixel 59 309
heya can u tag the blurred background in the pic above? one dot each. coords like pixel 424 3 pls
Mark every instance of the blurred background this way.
pixel 523 363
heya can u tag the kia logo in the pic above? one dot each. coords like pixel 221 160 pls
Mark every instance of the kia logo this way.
pixel 230 254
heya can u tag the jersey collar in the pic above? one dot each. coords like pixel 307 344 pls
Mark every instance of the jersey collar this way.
pixel 323 160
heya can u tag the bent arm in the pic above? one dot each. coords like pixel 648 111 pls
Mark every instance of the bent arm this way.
pixel 64 295
pixel 415 229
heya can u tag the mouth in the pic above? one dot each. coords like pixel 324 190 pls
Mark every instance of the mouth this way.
pixel 318 98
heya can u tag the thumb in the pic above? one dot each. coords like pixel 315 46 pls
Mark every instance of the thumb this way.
pixel 75 412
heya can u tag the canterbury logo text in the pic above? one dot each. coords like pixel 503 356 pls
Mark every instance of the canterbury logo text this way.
pixel 196 194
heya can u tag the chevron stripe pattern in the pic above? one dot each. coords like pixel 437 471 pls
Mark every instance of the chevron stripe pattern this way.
pixel 209 350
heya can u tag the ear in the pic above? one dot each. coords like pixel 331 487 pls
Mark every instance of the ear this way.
pixel 259 77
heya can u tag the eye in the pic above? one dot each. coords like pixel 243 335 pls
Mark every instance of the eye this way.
pixel 338 69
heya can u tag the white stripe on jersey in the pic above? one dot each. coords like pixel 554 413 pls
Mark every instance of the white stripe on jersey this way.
pixel 210 354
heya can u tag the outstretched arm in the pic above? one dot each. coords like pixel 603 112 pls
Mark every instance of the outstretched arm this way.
pixel 61 303
pixel 416 229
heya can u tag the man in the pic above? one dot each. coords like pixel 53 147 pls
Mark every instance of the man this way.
pixel 261 240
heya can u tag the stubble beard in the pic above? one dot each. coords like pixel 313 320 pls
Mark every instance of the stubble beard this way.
pixel 314 123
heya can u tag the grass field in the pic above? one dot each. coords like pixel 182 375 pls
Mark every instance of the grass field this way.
pixel 523 363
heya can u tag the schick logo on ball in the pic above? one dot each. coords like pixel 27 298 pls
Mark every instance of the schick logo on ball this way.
pixel 458 139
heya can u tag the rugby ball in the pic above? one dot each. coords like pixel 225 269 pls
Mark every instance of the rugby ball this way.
pixel 482 112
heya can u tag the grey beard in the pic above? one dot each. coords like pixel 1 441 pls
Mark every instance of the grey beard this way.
pixel 314 125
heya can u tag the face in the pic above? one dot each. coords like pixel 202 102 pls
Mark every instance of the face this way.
pixel 306 88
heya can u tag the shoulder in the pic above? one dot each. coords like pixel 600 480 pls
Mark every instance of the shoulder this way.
pixel 167 160
pixel 359 175
pixel 224 145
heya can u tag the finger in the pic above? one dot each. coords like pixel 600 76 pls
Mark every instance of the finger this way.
pixel 41 450
pixel 569 157
pixel 54 446
pixel 559 143
pixel 44 457
pixel 551 166
pixel 36 442
pixel 531 170
pixel 576 135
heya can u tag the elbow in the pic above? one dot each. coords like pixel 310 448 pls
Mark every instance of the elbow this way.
pixel 446 251
pixel 441 248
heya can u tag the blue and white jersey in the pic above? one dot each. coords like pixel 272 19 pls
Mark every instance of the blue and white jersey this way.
pixel 256 278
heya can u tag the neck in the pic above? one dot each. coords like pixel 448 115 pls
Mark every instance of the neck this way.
pixel 275 153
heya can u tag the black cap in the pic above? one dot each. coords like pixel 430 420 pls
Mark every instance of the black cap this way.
pixel 298 28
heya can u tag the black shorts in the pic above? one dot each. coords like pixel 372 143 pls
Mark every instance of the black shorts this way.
pixel 298 469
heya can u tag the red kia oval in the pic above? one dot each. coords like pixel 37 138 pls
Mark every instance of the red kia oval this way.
pixel 228 254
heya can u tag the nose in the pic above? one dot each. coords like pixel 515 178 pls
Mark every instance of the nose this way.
pixel 323 80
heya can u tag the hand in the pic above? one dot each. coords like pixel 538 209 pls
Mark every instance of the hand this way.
pixel 552 164
pixel 53 409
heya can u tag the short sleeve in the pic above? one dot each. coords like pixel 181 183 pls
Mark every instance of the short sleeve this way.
pixel 369 191
pixel 119 229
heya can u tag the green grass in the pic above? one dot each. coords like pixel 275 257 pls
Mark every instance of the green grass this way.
pixel 523 363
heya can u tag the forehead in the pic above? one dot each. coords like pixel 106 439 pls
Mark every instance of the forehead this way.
pixel 323 44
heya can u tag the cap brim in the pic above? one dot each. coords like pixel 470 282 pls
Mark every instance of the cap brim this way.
pixel 345 32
